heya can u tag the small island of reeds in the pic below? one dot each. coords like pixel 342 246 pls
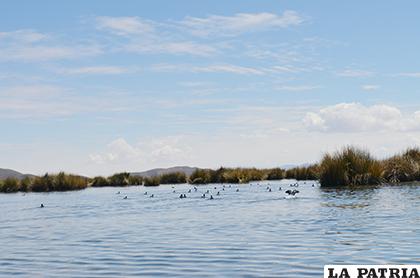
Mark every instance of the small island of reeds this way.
pixel 350 166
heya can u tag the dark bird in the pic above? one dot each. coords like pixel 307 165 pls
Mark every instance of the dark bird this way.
pixel 211 197
pixel 145 193
pixel 279 188
pixel 125 197
pixel 189 191
pixel 118 192
pixel 292 192
pixel 203 196
pixel 208 191
pixel 151 196
pixel 41 206
pixel 237 190
pixel 185 196
pixel 218 192
pixel 181 196
pixel 195 188
pixel 269 190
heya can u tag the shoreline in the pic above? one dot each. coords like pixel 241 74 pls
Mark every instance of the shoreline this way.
pixel 348 167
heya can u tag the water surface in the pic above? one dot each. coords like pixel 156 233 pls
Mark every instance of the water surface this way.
pixel 250 233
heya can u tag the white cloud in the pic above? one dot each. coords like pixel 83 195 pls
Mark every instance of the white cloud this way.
pixel 409 74
pixel 26 36
pixel 159 46
pixel 288 69
pixel 95 70
pixel 239 23
pixel 228 69
pixel 355 73
pixel 216 68
pixel 355 117
pixel 51 101
pixel 29 46
pixel 124 25
pixel 370 87
pixel 161 150
pixel 297 88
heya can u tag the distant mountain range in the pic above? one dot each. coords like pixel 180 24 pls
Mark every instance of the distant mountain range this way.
pixel 159 171
pixel 8 173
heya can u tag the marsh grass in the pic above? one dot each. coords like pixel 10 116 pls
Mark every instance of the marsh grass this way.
pixel 403 167
pixel 173 178
pixel 350 166
pixel 58 182
pixel 151 181
pixel 9 185
pixel 353 166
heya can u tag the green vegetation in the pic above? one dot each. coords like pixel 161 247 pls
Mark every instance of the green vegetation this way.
pixel 239 175
pixel 348 167
pixel 303 173
pixel 135 180
pixel 353 166
pixel 151 181
pixel 276 174
pixel 173 178
pixel 9 185
pixel 46 183
pixel 99 182
pixel 120 179
pixel 404 167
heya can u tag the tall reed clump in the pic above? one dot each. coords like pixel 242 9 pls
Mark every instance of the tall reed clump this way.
pixel 119 179
pixel 9 185
pixel 403 167
pixel 151 181
pixel 59 182
pixel 350 166
pixel 173 178
pixel 310 172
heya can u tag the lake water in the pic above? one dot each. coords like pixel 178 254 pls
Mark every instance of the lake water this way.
pixel 250 233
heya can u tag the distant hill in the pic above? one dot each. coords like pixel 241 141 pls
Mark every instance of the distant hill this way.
pixel 8 173
pixel 159 171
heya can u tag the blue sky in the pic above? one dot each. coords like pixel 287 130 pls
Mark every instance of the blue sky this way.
pixel 96 87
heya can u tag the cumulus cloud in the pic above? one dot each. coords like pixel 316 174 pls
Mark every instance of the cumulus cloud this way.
pixel 160 150
pixel 355 117
pixel 239 23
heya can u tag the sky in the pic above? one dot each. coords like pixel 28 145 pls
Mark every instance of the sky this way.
pixel 98 87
